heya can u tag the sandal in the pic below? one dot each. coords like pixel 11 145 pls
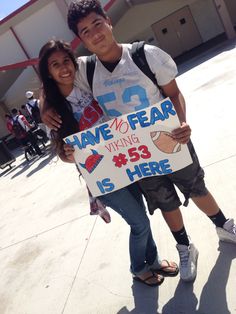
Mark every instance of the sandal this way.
pixel 169 270
pixel 158 277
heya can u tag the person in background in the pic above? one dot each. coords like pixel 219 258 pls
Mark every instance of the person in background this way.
pixel 32 107
pixel 9 122
pixel 21 128
pixel 25 112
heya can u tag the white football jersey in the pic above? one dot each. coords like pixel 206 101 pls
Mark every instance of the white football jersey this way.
pixel 127 88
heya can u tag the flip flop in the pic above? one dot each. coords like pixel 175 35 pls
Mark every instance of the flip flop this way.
pixel 164 270
pixel 145 281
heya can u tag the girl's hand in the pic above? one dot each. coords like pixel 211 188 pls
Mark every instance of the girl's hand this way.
pixel 69 152
pixel 182 134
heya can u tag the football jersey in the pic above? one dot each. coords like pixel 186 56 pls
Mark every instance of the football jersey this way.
pixel 85 109
pixel 127 88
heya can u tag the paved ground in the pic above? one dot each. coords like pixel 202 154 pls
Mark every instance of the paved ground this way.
pixel 56 259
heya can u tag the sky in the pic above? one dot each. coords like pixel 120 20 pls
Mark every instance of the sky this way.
pixel 9 6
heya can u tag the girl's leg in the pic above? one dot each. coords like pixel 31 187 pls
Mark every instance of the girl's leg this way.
pixel 129 204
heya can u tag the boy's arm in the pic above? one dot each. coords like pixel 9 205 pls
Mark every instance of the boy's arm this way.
pixel 171 90
pixel 49 115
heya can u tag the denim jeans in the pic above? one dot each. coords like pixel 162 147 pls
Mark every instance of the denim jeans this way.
pixel 129 204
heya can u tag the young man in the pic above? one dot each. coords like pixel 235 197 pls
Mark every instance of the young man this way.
pixel 32 107
pixel 121 87
pixel 9 122
pixel 22 131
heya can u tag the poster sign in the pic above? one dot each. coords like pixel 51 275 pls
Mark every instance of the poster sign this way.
pixel 128 148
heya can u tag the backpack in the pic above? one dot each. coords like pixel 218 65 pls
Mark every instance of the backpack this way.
pixel 137 55
pixel 35 111
pixel 17 129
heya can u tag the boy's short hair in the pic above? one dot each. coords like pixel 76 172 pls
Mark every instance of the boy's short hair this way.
pixel 80 9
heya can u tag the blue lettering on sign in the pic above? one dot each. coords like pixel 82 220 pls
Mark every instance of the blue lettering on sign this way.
pixel 167 108
pixel 105 186
pixel 143 120
pixel 75 142
pixel 149 169
pixel 91 137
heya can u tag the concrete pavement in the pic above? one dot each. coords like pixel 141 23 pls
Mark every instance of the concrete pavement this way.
pixel 56 259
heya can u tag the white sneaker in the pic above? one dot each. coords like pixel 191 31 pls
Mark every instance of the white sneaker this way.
pixel 188 256
pixel 228 232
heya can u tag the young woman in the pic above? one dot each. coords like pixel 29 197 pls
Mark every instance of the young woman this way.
pixel 57 68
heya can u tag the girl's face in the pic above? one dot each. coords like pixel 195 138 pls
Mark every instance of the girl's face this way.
pixel 62 70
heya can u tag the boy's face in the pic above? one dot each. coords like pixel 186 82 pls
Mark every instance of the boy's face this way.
pixel 96 33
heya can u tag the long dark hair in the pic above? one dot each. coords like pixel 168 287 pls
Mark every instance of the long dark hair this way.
pixel 51 93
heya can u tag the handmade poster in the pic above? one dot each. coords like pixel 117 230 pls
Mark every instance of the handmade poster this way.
pixel 129 148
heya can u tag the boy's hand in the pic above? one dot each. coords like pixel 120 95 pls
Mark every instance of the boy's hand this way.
pixel 51 118
pixel 182 134
pixel 69 152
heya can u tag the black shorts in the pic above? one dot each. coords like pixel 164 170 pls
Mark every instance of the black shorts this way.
pixel 159 191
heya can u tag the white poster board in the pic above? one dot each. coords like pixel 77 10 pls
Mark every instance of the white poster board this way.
pixel 128 148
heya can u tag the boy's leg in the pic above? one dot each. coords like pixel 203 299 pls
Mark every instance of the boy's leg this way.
pixel 225 228
pixel 188 254
pixel 160 193
pixel 165 267
pixel 190 181
pixel 207 204
pixel 32 139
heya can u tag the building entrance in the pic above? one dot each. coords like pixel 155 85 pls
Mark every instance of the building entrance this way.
pixel 177 33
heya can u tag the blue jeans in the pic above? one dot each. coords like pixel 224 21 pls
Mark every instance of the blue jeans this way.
pixel 128 203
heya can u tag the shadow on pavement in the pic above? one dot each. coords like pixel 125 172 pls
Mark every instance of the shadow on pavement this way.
pixel 145 300
pixel 213 297
pixel 42 164
pixel 184 300
pixel 25 165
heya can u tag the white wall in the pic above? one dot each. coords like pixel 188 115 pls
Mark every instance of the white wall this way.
pixel 3 128
pixel 207 19
pixel 15 96
pixel 44 24
pixel 11 52
pixel 231 6
pixel 143 16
